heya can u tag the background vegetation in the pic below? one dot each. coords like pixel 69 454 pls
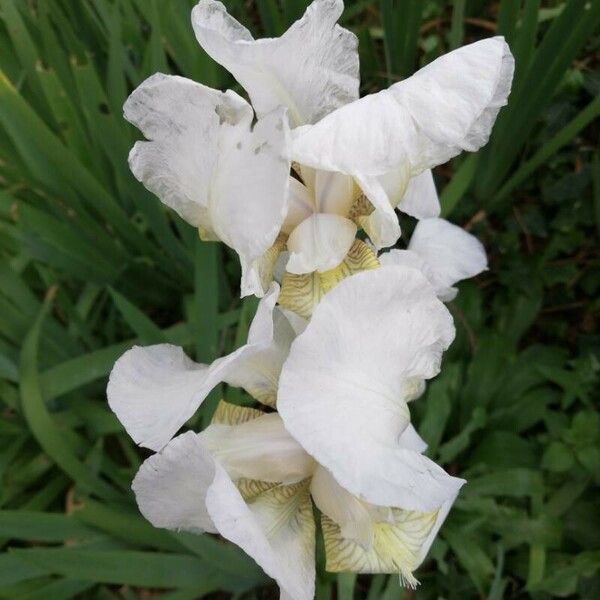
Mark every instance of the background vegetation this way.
pixel 90 262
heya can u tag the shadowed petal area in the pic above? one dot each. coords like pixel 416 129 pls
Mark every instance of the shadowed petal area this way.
pixel 342 389
pixel 206 160
pixel 365 538
pixel 312 69
pixel 258 372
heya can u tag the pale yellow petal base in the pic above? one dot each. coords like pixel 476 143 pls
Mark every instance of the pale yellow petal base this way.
pixel 232 414
pixel 395 546
pixel 301 293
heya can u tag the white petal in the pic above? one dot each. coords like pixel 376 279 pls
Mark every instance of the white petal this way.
pixel 320 243
pixel 446 107
pixel 276 528
pixel 154 390
pixel 420 199
pixel 411 440
pixel 259 449
pixel 406 258
pixel 340 390
pixel 311 69
pixel 365 538
pixel 296 321
pixel 350 513
pixel 403 258
pixel 441 517
pixel 183 488
pixel 170 487
pixel 334 193
pixel 205 160
pixel 300 205
pixel 271 335
pixel 396 548
pixel 451 253
pixel 300 293
pixel 381 225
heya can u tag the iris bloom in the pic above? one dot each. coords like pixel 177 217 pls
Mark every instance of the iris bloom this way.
pixel 309 162
pixel 342 433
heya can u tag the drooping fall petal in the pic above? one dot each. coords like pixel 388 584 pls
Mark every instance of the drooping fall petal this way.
pixel 342 390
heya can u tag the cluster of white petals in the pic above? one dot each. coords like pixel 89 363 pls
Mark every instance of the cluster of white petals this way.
pixel 343 339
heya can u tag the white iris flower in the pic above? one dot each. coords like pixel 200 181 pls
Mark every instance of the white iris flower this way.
pixel 342 433
pixel 287 181
pixel 309 162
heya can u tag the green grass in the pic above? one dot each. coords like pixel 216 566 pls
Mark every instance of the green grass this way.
pixel 90 262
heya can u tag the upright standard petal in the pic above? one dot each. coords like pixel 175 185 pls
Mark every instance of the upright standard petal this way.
pixel 320 243
pixel 204 159
pixel 312 69
pixel 154 390
pixel 420 200
pixel 342 389
pixel 447 107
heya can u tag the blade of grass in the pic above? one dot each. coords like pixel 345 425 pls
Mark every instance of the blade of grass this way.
pixel 564 136
pixel 459 184
pixel 345 586
pixel 569 31
pixel 457 28
pixel 401 22
pixel 507 18
pixel 62 589
pixel 50 438
pixel 206 310
pixel 142 326
pixel 147 569
pixel 41 526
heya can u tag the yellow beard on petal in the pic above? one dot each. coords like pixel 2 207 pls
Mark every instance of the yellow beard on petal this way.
pixel 301 293
pixel 395 546
pixel 232 414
